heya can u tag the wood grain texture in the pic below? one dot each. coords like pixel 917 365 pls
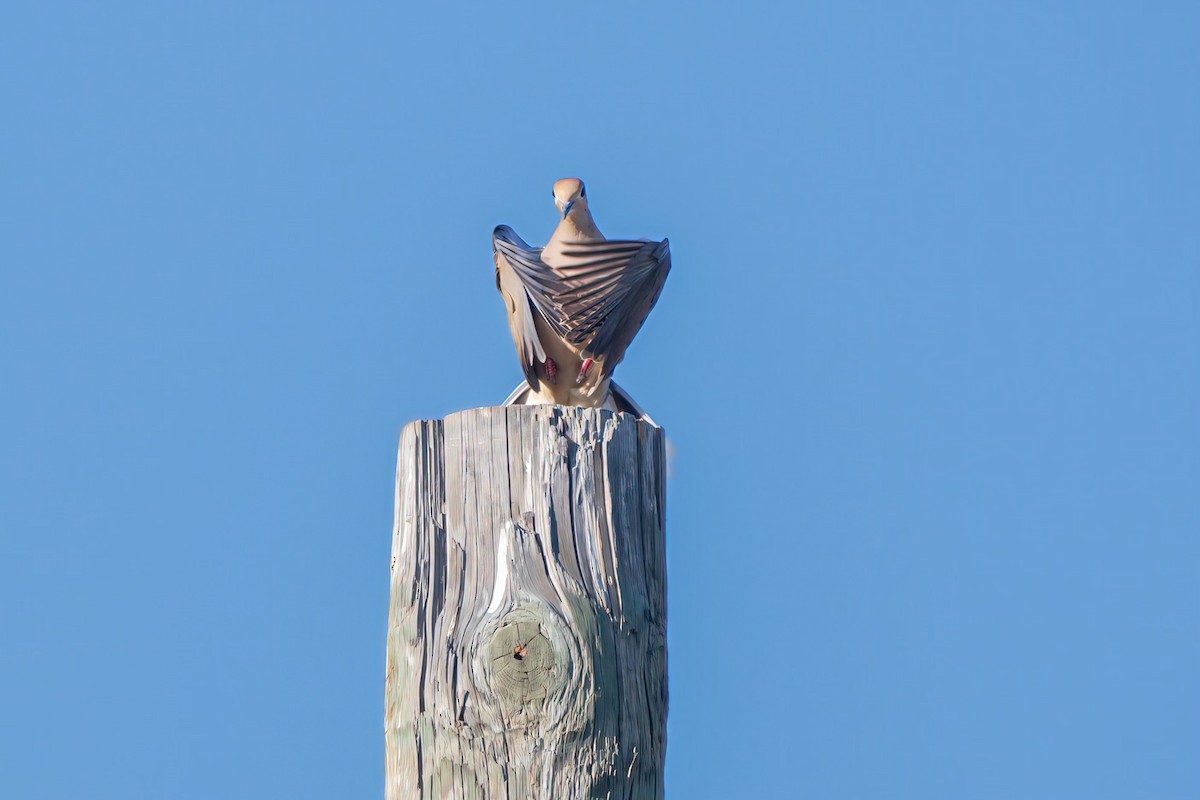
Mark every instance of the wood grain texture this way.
pixel 526 651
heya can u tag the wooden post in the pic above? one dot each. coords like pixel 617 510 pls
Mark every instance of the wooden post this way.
pixel 526 649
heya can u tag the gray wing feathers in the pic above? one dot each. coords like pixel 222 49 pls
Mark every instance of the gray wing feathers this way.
pixel 521 310
pixel 540 282
pixel 623 282
pixel 595 295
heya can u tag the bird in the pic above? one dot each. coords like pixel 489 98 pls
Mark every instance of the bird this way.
pixel 575 305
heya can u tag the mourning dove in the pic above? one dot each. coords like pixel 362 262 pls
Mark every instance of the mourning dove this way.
pixel 576 304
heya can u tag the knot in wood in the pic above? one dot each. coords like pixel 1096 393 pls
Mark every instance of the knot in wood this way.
pixel 522 663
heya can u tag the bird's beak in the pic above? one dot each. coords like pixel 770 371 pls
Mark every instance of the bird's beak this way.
pixel 566 209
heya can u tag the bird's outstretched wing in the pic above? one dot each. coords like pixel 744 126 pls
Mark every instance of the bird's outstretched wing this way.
pixel 528 287
pixel 542 284
pixel 609 289
pixel 595 295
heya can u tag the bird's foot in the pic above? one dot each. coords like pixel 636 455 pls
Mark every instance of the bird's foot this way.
pixel 583 371
pixel 551 370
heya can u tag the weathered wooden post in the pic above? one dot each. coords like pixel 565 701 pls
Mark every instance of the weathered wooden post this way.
pixel 526 650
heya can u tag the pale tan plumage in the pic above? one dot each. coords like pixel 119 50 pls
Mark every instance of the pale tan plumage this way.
pixel 580 297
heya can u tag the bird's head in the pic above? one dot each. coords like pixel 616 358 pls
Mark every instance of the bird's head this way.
pixel 569 194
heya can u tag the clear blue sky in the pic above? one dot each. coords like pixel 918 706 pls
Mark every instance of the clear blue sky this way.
pixel 928 359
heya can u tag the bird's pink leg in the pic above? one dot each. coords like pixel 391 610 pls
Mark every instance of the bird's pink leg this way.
pixel 551 370
pixel 583 371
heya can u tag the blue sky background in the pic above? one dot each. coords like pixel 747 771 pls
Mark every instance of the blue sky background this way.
pixel 928 360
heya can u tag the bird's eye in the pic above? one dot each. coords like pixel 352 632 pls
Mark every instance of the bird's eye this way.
pixel 583 191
